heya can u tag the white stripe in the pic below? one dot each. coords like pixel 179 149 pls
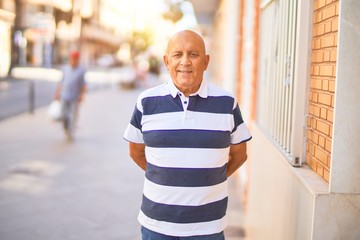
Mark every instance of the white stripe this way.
pixel 216 91
pixel 185 196
pixel 160 90
pixel 193 120
pixel 187 158
pixel 182 229
pixel 241 134
pixel 132 134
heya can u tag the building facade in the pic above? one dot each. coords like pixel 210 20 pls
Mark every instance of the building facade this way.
pixel 43 32
pixel 296 80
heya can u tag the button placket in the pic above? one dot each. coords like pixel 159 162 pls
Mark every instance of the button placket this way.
pixel 184 101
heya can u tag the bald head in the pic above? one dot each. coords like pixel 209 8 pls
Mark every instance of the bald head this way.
pixel 185 36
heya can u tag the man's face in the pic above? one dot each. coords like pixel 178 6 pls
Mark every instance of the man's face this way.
pixel 74 61
pixel 186 61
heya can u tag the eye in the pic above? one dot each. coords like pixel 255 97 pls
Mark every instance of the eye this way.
pixel 193 54
pixel 176 55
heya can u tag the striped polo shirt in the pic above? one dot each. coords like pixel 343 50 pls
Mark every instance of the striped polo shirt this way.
pixel 187 146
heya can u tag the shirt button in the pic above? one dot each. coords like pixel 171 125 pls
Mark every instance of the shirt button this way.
pixel 180 94
pixel 185 102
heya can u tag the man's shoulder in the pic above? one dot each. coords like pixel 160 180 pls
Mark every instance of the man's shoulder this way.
pixel 160 90
pixel 214 91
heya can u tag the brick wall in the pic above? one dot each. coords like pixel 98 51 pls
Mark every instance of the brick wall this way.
pixel 322 86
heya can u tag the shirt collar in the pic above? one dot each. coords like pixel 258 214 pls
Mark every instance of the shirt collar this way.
pixel 202 91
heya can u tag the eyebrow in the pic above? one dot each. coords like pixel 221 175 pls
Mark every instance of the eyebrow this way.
pixel 190 51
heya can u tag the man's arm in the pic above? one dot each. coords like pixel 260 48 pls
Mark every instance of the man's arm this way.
pixel 58 90
pixel 137 153
pixel 82 93
pixel 237 157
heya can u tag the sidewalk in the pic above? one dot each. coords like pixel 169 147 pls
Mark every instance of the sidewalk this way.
pixel 88 189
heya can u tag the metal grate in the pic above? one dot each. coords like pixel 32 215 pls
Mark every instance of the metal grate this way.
pixel 276 72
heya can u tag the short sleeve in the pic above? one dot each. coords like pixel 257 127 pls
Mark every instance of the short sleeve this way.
pixel 133 132
pixel 240 132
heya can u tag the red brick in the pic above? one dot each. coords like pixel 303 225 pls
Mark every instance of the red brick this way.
pixel 319 169
pixel 315 83
pixel 317 17
pixel 319 29
pixel 321 3
pixel 314 137
pixel 326 56
pixel 322 141
pixel 317 43
pixel 330 116
pixel 327 27
pixel 311 162
pixel 337 8
pixel 328 145
pixel 331 131
pixel 322 86
pixel 328 41
pixel 326 175
pixel 335 40
pixel 313 123
pixel 314 110
pixel 329 11
pixel 317 56
pixel 325 85
pixel 323 127
pixel 328 161
pixel 316 70
pixel 326 70
pixel 332 86
pixel 323 113
pixel 335 24
pixel 325 99
pixel 315 97
pixel 333 56
pixel 312 150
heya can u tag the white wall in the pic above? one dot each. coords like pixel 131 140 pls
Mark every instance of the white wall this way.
pixel 280 206
pixel 295 203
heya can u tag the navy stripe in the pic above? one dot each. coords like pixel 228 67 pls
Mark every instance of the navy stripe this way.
pixel 211 104
pixel 238 120
pixel 136 119
pixel 187 139
pixel 185 177
pixel 161 104
pixel 184 214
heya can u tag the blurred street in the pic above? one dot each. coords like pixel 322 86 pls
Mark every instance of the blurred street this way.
pixel 32 87
pixel 87 189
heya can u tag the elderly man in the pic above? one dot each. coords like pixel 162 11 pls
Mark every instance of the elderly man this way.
pixel 188 136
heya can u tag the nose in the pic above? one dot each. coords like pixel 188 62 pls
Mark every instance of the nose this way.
pixel 185 60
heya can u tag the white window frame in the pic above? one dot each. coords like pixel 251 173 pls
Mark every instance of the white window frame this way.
pixel 284 75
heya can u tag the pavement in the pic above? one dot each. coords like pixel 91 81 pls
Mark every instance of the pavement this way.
pixel 52 189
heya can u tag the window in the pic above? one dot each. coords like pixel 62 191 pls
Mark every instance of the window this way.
pixel 283 75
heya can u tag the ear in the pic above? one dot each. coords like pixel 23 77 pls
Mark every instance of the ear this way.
pixel 166 61
pixel 207 60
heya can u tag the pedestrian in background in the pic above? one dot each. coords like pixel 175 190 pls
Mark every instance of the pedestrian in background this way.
pixel 188 136
pixel 70 91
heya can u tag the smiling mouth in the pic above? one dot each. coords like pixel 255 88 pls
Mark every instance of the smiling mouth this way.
pixel 184 71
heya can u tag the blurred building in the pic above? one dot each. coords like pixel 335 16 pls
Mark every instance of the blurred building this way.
pixel 294 68
pixel 6 23
pixel 44 32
